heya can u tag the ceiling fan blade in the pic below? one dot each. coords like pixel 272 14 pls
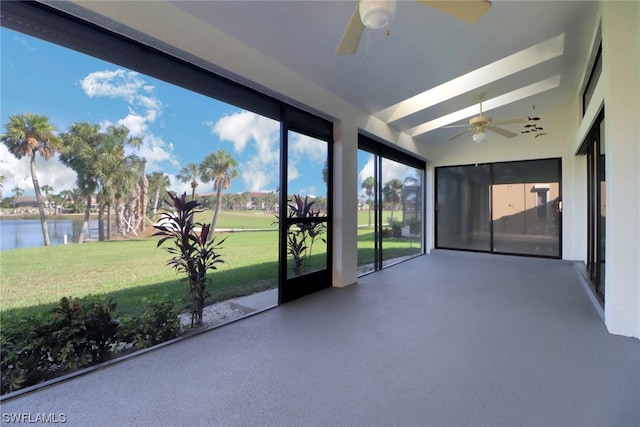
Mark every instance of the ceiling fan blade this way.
pixel 352 34
pixel 501 131
pixel 508 122
pixel 458 134
pixel 468 10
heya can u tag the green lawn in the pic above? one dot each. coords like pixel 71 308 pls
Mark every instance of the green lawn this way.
pixel 129 270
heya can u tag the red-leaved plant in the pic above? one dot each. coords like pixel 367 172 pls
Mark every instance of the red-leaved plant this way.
pixel 300 240
pixel 193 254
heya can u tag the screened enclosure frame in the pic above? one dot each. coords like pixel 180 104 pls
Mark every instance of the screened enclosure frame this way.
pixel 63 29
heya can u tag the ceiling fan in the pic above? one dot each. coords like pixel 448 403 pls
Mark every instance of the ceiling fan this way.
pixel 482 123
pixel 377 14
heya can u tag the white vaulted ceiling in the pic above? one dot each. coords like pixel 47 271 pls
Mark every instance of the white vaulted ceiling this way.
pixel 428 72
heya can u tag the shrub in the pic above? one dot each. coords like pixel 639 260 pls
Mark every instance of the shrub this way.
pixel 158 323
pixel 396 228
pixel 76 333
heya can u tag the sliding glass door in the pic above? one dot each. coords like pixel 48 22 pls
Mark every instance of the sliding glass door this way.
pixel 391 206
pixel 510 207
pixel 463 207
pixel 594 149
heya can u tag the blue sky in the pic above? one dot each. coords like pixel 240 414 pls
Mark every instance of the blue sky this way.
pixel 177 126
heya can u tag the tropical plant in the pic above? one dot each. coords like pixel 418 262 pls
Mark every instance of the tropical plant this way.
pixel 219 168
pixel 300 239
pixel 158 182
pixel 29 134
pixel 193 253
pixel 368 185
pixel 391 193
pixel 190 173
pixel 3 179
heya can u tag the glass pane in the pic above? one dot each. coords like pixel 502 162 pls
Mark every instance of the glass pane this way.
pixel 366 212
pixel 526 218
pixel 401 211
pixel 179 133
pixel 602 214
pixel 308 176
pixel 462 216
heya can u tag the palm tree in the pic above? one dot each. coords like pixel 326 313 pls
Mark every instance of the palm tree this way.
pixel 158 182
pixel 19 192
pixel 47 189
pixel 391 193
pixel 3 179
pixel 28 134
pixel 81 146
pixel 368 185
pixel 117 173
pixel 190 173
pixel 219 168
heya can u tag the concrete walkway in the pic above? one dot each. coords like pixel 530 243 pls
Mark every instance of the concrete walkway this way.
pixel 448 339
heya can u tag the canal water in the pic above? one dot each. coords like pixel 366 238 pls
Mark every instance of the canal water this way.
pixel 25 233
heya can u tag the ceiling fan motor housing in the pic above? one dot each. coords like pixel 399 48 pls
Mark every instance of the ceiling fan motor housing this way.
pixel 479 120
pixel 377 13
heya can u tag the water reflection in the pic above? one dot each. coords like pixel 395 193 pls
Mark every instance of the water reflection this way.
pixel 25 233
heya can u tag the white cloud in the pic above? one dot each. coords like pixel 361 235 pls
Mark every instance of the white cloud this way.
pixel 260 171
pixel 158 153
pixel 309 147
pixel 18 173
pixel 143 107
pixel 121 84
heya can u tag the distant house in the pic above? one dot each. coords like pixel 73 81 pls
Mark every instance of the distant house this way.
pixel 30 202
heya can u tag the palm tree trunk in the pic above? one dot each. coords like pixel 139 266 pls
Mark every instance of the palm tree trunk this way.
pixel 101 222
pixel 85 223
pixel 36 187
pixel 144 200
pixel 194 184
pixel 109 221
pixel 156 196
pixel 217 212
pixel 119 210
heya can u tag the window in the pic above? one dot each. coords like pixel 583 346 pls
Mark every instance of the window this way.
pixel 391 206
pixel 592 82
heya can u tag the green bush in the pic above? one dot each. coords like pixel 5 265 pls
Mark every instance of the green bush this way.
pixel 158 323
pixel 396 228
pixel 76 334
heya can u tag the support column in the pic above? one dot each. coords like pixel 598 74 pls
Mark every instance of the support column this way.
pixel 345 205
pixel 621 64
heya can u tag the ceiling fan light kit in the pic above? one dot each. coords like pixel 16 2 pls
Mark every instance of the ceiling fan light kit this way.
pixel 482 123
pixel 377 14
pixel 480 137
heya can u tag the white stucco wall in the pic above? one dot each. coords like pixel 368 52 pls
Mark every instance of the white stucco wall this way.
pixel 558 143
pixel 621 78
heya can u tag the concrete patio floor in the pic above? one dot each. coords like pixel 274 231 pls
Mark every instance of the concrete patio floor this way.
pixel 447 339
